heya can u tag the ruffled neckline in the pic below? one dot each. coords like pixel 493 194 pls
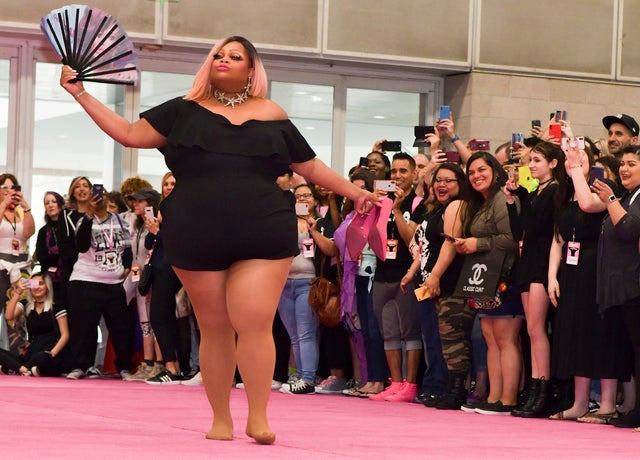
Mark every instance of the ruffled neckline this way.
pixel 229 122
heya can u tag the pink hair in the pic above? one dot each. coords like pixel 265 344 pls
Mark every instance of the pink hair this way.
pixel 201 88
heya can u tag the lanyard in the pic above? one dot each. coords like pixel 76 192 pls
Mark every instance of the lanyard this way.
pixel 108 239
pixel 14 224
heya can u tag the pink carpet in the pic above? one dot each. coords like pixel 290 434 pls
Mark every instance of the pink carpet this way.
pixel 54 418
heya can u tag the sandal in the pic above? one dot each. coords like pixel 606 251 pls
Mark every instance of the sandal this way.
pixel 560 416
pixel 598 419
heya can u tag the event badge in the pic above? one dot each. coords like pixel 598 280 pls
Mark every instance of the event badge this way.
pixel 135 273
pixel 308 247
pixel 392 249
pixel 573 252
pixel 15 247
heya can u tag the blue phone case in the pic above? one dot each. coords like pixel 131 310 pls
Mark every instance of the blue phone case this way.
pixel 445 112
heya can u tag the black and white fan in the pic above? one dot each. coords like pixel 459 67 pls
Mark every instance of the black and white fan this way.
pixel 93 43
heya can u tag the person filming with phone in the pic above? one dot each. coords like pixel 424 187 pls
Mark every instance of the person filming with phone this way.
pixel 16 227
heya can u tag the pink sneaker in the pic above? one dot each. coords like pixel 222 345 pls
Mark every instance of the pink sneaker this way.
pixel 390 390
pixel 404 394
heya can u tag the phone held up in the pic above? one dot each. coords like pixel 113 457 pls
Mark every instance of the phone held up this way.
pixel 148 212
pixel 302 209
pixel 386 185
pixel 392 146
pixel 597 172
pixel 97 191
pixel 479 145
pixel 445 113
pixel 364 162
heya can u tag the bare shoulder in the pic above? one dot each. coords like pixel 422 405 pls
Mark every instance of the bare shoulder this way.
pixel 269 110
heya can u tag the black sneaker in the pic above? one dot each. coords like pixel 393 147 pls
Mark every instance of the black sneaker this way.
pixel 494 408
pixel 165 378
pixel 298 388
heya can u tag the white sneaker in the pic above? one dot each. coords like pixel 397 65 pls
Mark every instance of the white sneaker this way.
pixel 195 380
pixel 275 385
pixel 76 374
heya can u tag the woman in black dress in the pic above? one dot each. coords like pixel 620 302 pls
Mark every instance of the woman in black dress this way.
pixel 546 162
pixel 226 145
pixel 583 348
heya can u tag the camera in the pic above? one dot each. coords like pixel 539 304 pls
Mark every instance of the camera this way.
pixel 392 146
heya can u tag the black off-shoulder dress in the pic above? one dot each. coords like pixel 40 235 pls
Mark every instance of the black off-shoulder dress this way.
pixel 226 205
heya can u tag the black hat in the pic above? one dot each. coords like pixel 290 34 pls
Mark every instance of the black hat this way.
pixel 623 119
pixel 148 194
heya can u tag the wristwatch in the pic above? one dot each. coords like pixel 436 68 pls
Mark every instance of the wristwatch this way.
pixel 612 198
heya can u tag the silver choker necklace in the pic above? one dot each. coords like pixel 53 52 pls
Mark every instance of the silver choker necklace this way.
pixel 231 101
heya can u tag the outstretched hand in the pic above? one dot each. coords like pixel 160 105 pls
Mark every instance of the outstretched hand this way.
pixel 72 87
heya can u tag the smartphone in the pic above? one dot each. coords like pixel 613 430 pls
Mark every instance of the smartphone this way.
pixel 148 212
pixel 479 145
pixel 97 191
pixel 17 188
pixel 422 293
pixel 448 237
pixel 421 131
pixel 597 172
pixel 555 130
pixel 32 284
pixel 364 162
pixel 561 115
pixel 517 138
pixel 392 146
pixel 445 112
pixel 536 124
pixel 580 140
pixel 386 185
pixel 452 157
pixel 302 209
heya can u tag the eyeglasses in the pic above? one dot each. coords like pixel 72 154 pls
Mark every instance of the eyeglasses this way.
pixel 302 196
pixel 444 181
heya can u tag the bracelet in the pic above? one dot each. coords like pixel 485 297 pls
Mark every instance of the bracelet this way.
pixel 455 138
pixel 80 94
pixel 411 271
pixel 575 166
pixel 26 210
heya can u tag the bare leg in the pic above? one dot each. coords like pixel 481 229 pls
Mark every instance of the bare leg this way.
pixel 506 331
pixel 608 398
pixel 252 317
pixel 217 343
pixel 535 310
pixel 394 360
pixel 493 360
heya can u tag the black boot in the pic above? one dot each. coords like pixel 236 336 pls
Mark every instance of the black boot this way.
pixel 538 408
pixel 528 397
pixel 454 395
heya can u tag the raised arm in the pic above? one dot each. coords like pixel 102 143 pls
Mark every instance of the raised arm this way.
pixel 139 134
pixel 319 173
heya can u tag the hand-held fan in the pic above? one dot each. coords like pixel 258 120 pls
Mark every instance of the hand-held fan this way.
pixel 93 43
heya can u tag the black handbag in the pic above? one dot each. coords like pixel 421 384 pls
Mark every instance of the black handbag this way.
pixel 480 278
pixel 146 279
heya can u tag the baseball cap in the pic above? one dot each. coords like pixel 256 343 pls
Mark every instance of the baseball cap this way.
pixel 148 194
pixel 623 119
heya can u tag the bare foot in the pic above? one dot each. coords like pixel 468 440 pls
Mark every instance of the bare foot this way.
pixel 221 431
pixel 261 436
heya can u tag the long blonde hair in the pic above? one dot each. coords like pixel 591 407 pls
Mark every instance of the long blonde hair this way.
pixel 48 300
